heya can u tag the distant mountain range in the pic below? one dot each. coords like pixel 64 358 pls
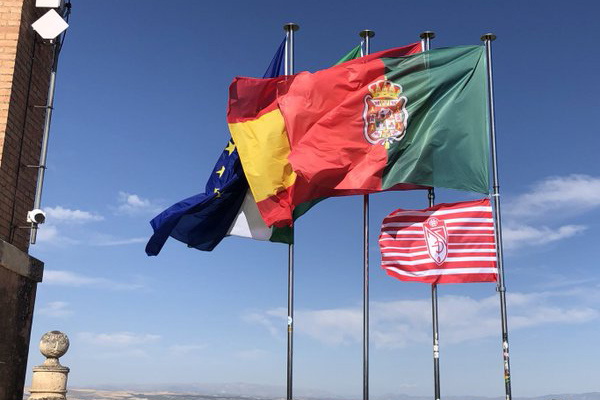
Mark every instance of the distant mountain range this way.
pixel 563 396
pixel 241 391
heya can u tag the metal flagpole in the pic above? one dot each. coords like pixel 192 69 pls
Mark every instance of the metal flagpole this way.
pixel 425 45
pixel 366 35
pixel 57 44
pixel 289 29
pixel 488 38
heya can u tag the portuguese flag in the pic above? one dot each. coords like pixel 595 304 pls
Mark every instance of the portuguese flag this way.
pixel 387 121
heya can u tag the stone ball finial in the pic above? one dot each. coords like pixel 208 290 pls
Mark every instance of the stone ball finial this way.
pixel 49 380
pixel 54 344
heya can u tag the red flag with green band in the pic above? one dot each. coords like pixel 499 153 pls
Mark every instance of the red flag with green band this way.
pixel 259 131
pixel 380 122
pixel 367 127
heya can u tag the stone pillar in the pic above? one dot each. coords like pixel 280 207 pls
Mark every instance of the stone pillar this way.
pixel 49 380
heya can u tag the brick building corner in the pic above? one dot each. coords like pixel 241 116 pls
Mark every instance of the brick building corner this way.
pixel 25 64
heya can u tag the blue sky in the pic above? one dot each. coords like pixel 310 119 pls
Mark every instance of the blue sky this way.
pixel 140 121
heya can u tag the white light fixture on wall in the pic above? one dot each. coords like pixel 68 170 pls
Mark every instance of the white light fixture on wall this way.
pixel 48 3
pixel 50 25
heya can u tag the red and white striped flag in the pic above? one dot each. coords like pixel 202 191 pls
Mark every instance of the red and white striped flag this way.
pixel 447 243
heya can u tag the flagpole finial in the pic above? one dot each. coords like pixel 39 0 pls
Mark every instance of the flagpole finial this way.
pixel 366 33
pixel 290 26
pixel 427 35
pixel 488 36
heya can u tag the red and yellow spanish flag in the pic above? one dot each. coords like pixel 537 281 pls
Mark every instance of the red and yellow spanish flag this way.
pixel 259 131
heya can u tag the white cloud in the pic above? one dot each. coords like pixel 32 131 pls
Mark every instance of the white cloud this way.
pixel 331 326
pixel 121 354
pixel 468 319
pixel 49 234
pixel 399 323
pixel 107 240
pixel 66 278
pixel 72 279
pixel 61 214
pixel 132 204
pixel 267 319
pixel 118 339
pixel 571 194
pixel 553 281
pixel 55 309
pixel 528 217
pixel 515 236
pixel 251 354
pixel 118 345
pixel 185 349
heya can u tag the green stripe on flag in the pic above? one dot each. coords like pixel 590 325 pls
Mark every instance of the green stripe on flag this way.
pixel 446 141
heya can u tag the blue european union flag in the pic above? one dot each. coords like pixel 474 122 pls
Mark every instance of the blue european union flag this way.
pixel 203 220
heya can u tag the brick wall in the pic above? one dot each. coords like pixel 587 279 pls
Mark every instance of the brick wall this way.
pixel 25 63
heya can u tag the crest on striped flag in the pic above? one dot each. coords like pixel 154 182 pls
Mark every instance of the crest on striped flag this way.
pixel 436 237
pixel 446 243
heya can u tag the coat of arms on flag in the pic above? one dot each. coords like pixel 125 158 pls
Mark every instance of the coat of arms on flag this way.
pixel 385 114
pixel 436 237
pixel 448 243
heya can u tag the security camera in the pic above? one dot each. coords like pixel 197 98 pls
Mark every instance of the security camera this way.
pixel 36 216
